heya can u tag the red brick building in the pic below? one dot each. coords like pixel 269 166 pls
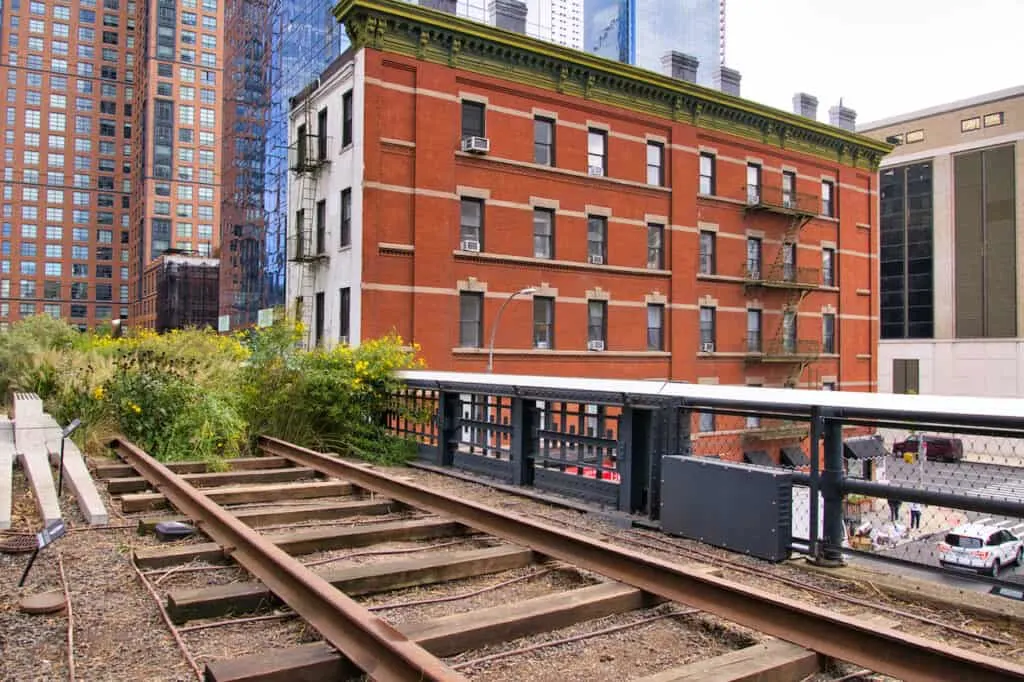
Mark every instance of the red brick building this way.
pixel 666 230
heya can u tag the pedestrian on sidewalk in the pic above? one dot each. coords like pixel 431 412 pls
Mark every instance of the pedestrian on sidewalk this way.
pixel 894 510
pixel 915 515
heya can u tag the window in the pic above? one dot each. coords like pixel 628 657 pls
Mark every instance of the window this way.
pixel 473 115
pixel 471 225
pixel 707 329
pixel 597 321
pixel 906 375
pixel 753 330
pixel 706 422
pixel 321 134
pixel 828 267
pixel 655 326
pixel 707 174
pixel 828 206
pixel 655 163
pixel 543 322
pixel 543 233
pixel 346 119
pixel 995 119
pixel 597 152
pixel 345 238
pixel 828 333
pixel 470 319
pixel 788 262
pixel 828 385
pixel 321 228
pixel 913 136
pixel 707 252
pixel 318 318
pixel 655 246
pixel 789 331
pixel 969 124
pixel 753 183
pixel 597 240
pixel 753 258
pixel 788 189
pixel 544 141
pixel 344 314
pixel 906 251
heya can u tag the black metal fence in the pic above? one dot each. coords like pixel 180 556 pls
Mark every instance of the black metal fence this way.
pixel 913 478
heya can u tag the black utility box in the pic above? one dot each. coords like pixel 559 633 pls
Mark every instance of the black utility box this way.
pixel 741 507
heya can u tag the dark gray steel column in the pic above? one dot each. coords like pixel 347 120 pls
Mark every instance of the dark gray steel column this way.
pixel 831 488
pixel 448 416
pixel 523 442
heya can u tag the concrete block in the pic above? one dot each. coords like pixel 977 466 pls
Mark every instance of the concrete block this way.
pixel 77 478
pixel 6 471
pixel 30 435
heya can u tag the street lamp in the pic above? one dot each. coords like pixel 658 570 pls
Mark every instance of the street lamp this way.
pixel 494 327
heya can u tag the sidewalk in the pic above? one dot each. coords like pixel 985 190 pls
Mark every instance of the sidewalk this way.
pixel 884 534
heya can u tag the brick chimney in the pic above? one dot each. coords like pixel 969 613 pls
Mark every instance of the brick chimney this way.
pixel 680 66
pixel 508 14
pixel 728 80
pixel 843 117
pixel 805 105
pixel 441 5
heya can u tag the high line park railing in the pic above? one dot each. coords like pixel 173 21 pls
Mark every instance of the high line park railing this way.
pixel 848 457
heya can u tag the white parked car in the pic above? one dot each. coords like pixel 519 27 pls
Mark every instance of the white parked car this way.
pixel 982 548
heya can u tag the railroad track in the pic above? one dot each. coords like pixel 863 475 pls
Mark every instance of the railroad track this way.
pixel 400 582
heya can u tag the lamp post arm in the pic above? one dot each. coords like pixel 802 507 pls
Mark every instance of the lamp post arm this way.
pixel 494 331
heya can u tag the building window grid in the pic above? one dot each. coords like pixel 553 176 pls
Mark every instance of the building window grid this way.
pixel 707 329
pixel 543 322
pixel 470 319
pixel 543 141
pixel 655 327
pixel 655 163
pixel 543 233
pixel 597 240
pixel 597 152
pixel 655 246
pixel 597 322
pixel 828 202
pixel 828 333
pixel 471 224
pixel 828 267
pixel 754 337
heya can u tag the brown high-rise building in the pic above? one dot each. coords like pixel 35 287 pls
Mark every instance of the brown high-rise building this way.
pixel 175 203
pixel 111 150
pixel 68 157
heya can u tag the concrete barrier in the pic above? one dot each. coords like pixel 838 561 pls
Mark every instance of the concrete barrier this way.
pixel 76 475
pixel 7 453
pixel 30 435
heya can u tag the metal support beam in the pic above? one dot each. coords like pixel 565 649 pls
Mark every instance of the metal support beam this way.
pixel 523 444
pixel 813 540
pixel 887 651
pixel 831 488
pixel 449 411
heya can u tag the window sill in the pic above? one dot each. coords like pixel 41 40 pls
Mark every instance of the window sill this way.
pixel 387 248
pixel 863 356
pixel 718 278
pixel 864 226
pixel 554 263
pixel 829 219
pixel 562 171
pixel 343 249
pixel 552 352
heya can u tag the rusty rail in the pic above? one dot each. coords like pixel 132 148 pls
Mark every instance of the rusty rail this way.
pixel 369 642
pixel 883 650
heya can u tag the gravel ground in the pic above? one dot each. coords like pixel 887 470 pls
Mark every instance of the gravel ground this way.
pixel 118 627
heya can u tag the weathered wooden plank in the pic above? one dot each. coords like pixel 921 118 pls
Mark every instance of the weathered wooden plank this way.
pixel 134 484
pixel 269 516
pixel 137 502
pixel 234 598
pixel 237 464
pixel 442 636
pixel 771 661
pixel 308 540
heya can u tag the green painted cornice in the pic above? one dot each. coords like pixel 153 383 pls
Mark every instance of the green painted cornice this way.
pixel 438 37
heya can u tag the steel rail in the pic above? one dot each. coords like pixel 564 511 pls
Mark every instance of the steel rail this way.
pixel 880 649
pixel 372 645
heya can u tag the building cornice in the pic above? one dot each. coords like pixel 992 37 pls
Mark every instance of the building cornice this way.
pixel 442 38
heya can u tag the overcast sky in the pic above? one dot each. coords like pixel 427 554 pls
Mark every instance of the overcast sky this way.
pixel 883 57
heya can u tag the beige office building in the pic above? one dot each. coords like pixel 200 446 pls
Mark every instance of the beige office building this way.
pixel 951 248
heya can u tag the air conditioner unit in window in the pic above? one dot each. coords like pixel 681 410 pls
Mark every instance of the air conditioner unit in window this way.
pixel 470 245
pixel 543 345
pixel 476 145
pixel 595 259
pixel 707 347
pixel 595 345
pixel 595 171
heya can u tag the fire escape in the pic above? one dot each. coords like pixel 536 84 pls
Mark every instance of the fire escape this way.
pixel 780 284
pixel 307 157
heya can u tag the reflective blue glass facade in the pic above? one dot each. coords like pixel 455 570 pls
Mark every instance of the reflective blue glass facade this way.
pixel 640 32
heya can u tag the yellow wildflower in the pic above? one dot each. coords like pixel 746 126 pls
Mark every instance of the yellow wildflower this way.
pixel 97 393
pixel 136 409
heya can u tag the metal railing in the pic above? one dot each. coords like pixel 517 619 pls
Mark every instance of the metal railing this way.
pixel 777 199
pixel 781 274
pixel 603 442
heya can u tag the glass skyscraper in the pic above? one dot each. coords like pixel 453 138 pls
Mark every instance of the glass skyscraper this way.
pixel 640 32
